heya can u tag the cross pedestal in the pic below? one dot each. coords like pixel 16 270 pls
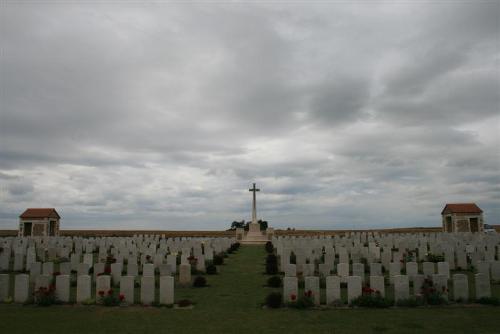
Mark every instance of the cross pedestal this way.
pixel 254 235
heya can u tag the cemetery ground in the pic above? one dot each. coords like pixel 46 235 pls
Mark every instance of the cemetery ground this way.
pixel 232 303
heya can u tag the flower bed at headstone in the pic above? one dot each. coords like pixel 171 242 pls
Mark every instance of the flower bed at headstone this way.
pixel 304 301
pixel 371 298
pixel 431 294
pixel 110 298
pixel 45 296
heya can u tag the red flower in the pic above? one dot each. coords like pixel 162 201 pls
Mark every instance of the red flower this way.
pixel 107 270
pixel 309 293
pixel 293 297
pixel 101 293
pixel 121 297
pixel 110 292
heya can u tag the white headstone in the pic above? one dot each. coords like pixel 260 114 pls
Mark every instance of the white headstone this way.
pixel 65 268
pixel 166 290
pixel 343 271
pixel 332 289
pixel 127 288
pixel 48 268
pixel 401 287
pixel 411 269
pixel 83 288
pixel 148 269
pixel 358 269
pixel 394 269
pixel 483 288
pixel 353 288
pixel 102 284
pixel 147 290
pixel 62 288
pixel 116 272
pixel 312 285
pixel 185 274
pixel 290 289
pixel 377 284
pixel 444 269
pixel 21 288
pixel 375 269
pixel 428 268
pixel 132 269
pixel 460 287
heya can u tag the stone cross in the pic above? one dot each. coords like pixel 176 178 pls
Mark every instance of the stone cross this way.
pixel 254 204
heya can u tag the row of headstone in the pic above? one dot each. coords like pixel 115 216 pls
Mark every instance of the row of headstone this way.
pixel 389 252
pixel 116 270
pixel 84 288
pixel 401 287
pixel 138 250
pixel 385 248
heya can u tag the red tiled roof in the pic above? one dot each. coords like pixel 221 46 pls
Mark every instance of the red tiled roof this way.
pixel 461 208
pixel 40 213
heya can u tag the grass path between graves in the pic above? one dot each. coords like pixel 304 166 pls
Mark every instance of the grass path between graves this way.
pixel 232 305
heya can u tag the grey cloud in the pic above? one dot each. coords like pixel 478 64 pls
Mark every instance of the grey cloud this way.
pixel 161 115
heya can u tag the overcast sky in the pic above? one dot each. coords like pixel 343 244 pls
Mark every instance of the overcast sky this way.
pixel 161 115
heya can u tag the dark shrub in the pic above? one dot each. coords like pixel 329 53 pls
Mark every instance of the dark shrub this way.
pixel 271 268
pixel 200 282
pixel 184 303
pixel 271 258
pixel 269 247
pixel 271 264
pixel 489 301
pixel 234 247
pixel 274 281
pixel 218 260
pixel 435 258
pixel 211 269
pixel 273 300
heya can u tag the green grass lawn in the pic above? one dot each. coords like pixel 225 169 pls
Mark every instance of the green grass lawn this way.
pixel 232 304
